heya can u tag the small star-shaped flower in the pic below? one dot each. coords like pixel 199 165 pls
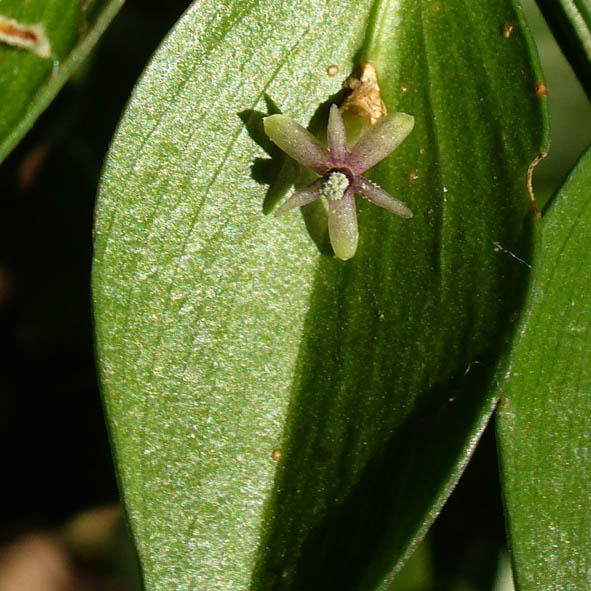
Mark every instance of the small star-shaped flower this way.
pixel 340 170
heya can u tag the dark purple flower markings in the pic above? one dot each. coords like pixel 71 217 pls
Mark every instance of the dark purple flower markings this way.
pixel 340 170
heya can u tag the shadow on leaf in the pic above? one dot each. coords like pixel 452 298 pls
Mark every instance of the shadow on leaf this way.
pixel 377 425
pixel 279 172
pixel 344 532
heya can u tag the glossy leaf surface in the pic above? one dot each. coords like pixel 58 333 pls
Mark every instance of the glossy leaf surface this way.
pixel 544 419
pixel 29 82
pixel 282 419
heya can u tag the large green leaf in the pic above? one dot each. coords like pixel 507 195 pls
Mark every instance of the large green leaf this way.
pixel 282 419
pixel 29 82
pixel 544 421
pixel 570 21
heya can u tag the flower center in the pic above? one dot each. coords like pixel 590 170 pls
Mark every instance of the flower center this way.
pixel 334 186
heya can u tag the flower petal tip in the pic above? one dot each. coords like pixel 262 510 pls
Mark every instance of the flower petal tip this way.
pixel 380 140
pixel 345 255
pixel 297 142
pixel 409 118
pixel 274 123
pixel 344 250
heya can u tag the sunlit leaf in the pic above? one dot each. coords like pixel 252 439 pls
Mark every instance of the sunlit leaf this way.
pixel 280 418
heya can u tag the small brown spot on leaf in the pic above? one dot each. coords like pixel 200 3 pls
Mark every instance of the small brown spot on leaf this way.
pixel 413 175
pixel 507 30
pixel 540 89
pixel 332 70
pixel 276 455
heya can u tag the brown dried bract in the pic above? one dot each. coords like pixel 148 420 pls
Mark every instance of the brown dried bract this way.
pixel 365 99
pixel 31 37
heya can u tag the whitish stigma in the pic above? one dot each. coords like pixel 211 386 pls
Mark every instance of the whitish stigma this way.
pixel 334 186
